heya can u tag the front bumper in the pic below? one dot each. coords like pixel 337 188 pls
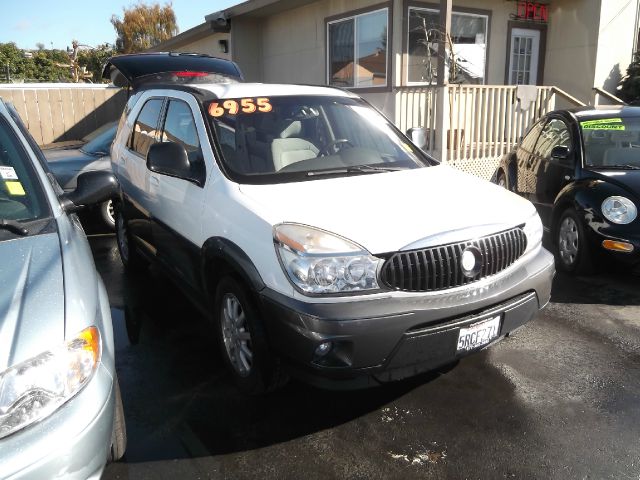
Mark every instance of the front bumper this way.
pixel 72 443
pixel 620 233
pixel 401 334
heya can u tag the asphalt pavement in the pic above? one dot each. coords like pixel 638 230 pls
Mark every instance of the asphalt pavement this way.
pixel 559 399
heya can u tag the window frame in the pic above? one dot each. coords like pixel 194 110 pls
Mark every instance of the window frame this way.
pixel 353 15
pixel 161 115
pixel 536 151
pixel 434 7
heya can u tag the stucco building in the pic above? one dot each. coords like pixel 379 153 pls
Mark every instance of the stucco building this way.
pixel 388 53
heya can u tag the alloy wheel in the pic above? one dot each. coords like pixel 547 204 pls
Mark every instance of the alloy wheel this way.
pixel 110 211
pixel 568 241
pixel 236 335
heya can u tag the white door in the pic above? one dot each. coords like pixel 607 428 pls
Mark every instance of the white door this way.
pixel 524 55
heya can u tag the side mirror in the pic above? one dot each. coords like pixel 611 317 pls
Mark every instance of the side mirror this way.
pixel 170 158
pixel 92 187
pixel 418 136
pixel 560 153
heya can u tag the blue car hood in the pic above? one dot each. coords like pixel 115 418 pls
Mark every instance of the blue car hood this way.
pixel 31 297
pixel 626 179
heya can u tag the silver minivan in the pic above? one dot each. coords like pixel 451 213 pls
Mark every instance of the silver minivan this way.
pixel 60 406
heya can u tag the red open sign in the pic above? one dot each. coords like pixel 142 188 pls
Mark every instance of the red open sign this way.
pixel 533 11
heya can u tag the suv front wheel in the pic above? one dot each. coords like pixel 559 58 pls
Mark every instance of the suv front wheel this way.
pixel 242 340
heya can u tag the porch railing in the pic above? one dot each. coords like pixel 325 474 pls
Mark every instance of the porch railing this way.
pixel 480 123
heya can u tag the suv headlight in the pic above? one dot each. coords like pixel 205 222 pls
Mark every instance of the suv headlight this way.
pixel 619 210
pixel 533 230
pixel 319 262
pixel 35 388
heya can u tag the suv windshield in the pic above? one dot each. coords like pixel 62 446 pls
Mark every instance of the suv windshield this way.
pixel 612 142
pixel 289 138
pixel 21 196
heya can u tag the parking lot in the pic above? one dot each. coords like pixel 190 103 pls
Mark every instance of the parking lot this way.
pixel 559 399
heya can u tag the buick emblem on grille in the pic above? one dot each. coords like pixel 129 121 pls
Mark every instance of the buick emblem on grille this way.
pixel 471 261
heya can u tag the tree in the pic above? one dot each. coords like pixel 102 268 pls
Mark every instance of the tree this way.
pixel 629 89
pixel 43 65
pixel 143 26
pixel 94 59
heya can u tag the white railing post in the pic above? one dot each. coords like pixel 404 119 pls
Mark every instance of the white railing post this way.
pixel 441 123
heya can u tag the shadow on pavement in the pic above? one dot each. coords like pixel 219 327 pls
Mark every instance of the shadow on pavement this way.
pixel 606 288
pixel 179 401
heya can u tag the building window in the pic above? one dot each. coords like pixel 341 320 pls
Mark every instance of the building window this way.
pixel 357 53
pixel 469 38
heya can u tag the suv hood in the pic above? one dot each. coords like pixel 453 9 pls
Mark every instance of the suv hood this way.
pixel 31 297
pixel 386 212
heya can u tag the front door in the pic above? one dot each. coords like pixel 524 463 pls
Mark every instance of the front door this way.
pixel 550 175
pixel 177 214
pixel 524 56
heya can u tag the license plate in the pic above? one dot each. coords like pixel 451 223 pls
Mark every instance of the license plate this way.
pixel 478 335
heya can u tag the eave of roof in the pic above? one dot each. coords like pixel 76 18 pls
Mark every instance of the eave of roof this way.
pixel 257 8
pixel 188 36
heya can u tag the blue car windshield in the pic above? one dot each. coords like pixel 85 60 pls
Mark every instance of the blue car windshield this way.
pixel 99 142
pixel 21 195
pixel 611 142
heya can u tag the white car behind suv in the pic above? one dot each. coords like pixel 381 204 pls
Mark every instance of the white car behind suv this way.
pixel 320 240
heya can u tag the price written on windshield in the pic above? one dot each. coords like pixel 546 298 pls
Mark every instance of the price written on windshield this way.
pixel 244 105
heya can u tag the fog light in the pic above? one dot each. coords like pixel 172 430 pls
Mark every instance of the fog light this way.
pixel 617 246
pixel 323 349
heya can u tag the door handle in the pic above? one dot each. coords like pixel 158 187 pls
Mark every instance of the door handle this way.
pixel 154 181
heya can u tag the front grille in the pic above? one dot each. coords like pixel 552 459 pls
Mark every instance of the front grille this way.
pixel 439 268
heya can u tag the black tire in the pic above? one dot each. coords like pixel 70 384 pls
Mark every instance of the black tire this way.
pixel 107 214
pixel 131 258
pixel 119 432
pixel 572 250
pixel 264 373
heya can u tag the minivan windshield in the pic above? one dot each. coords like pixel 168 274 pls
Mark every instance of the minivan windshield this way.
pixel 611 141
pixel 21 195
pixel 291 138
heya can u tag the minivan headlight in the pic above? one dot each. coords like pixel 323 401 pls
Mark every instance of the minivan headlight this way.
pixel 319 262
pixel 619 210
pixel 533 230
pixel 35 388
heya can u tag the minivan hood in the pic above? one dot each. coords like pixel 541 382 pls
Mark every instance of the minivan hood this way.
pixel 31 297
pixel 386 212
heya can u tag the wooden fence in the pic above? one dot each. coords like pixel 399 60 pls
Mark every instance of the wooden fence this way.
pixel 60 112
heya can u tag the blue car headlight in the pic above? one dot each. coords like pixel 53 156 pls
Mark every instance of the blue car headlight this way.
pixel 35 388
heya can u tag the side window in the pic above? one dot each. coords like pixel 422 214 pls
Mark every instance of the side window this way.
pixel 180 127
pixel 553 134
pixel 145 128
pixel 529 140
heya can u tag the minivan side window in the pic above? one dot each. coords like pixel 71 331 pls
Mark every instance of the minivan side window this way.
pixel 554 133
pixel 180 127
pixel 145 128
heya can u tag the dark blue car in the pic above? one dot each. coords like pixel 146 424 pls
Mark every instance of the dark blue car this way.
pixel 581 169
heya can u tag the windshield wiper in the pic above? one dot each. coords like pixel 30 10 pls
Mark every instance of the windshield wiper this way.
pixel 13 226
pixel 616 167
pixel 353 169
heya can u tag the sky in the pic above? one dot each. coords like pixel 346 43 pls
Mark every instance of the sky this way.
pixel 57 22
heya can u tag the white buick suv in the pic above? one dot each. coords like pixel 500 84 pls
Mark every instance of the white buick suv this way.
pixel 320 241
